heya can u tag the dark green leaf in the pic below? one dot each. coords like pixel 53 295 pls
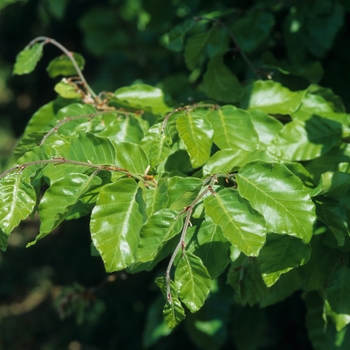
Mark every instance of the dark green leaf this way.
pixel 28 58
pixel 175 38
pixel 63 65
pixel 332 184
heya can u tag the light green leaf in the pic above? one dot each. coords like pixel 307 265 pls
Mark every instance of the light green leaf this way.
pixel 28 58
pixel 280 197
pixel 338 290
pixel 173 311
pixel 116 222
pixel 193 281
pixel 142 96
pixel 210 245
pixel 196 132
pixel 245 278
pixel 340 320
pixel 62 65
pixel 60 198
pixel 156 232
pixel 18 199
pixel 157 197
pixel 220 83
pixel 66 90
pixel 332 184
pixel 175 38
pixel 132 157
pixel 241 224
pixel 233 128
pixel 305 140
pixel 279 255
pixel 271 97
pixel 333 214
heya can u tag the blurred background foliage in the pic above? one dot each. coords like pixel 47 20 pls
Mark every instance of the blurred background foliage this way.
pixel 55 295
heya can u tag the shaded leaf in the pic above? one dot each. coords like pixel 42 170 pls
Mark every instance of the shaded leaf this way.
pixel 332 184
pixel 62 65
pixel 175 38
pixel 280 197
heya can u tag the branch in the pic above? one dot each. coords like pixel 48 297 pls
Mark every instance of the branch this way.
pixel 69 54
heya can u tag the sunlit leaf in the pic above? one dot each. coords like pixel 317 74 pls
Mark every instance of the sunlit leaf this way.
pixel 28 58
pixel 280 197
pixel 66 90
pixel 132 157
pixel 193 281
pixel 62 65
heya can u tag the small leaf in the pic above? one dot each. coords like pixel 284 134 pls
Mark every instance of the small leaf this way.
pixel 66 90
pixel 279 255
pixel 271 97
pixel 116 222
pixel 196 132
pixel 233 129
pixel 173 311
pixel 220 83
pixel 241 224
pixel 175 38
pixel 193 281
pixel 18 199
pixel 280 197
pixel 28 58
pixel 62 65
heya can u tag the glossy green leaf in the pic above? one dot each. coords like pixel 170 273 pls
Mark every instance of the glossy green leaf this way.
pixel 157 197
pixel 280 197
pixel 156 232
pixel 60 198
pixel 142 96
pixel 271 97
pixel 253 30
pixel 210 245
pixel 193 281
pixel 233 128
pixel 173 311
pixel 132 157
pixel 67 90
pixel 18 199
pixel 338 290
pixel 220 83
pixel 245 278
pixel 116 222
pixel 62 65
pixel 313 72
pixel 241 224
pixel 305 140
pixel 28 58
pixel 175 38
pixel 196 132
pixel 332 184
pixel 279 255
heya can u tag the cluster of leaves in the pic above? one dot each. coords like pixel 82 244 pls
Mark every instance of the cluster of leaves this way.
pixel 259 189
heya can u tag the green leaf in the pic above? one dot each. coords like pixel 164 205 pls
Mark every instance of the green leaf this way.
pixel 173 311
pixel 193 281
pixel 338 291
pixel 66 90
pixel 280 197
pixel 131 156
pixel 116 222
pixel 270 97
pixel 313 72
pixel 62 65
pixel 279 255
pixel 157 197
pixel 156 232
pixel 142 96
pixel 334 215
pixel 305 140
pixel 59 200
pixel 175 38
pixel 18 199
pixel 340 320
pixel 245 278
pixel 196 132
pixel 210 245
pixel 219 83
pixel 241 224
pixel 332 184
pixel 233 128
pixel 28 58
pixel 253 30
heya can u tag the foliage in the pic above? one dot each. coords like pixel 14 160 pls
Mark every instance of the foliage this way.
pixel 250 185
